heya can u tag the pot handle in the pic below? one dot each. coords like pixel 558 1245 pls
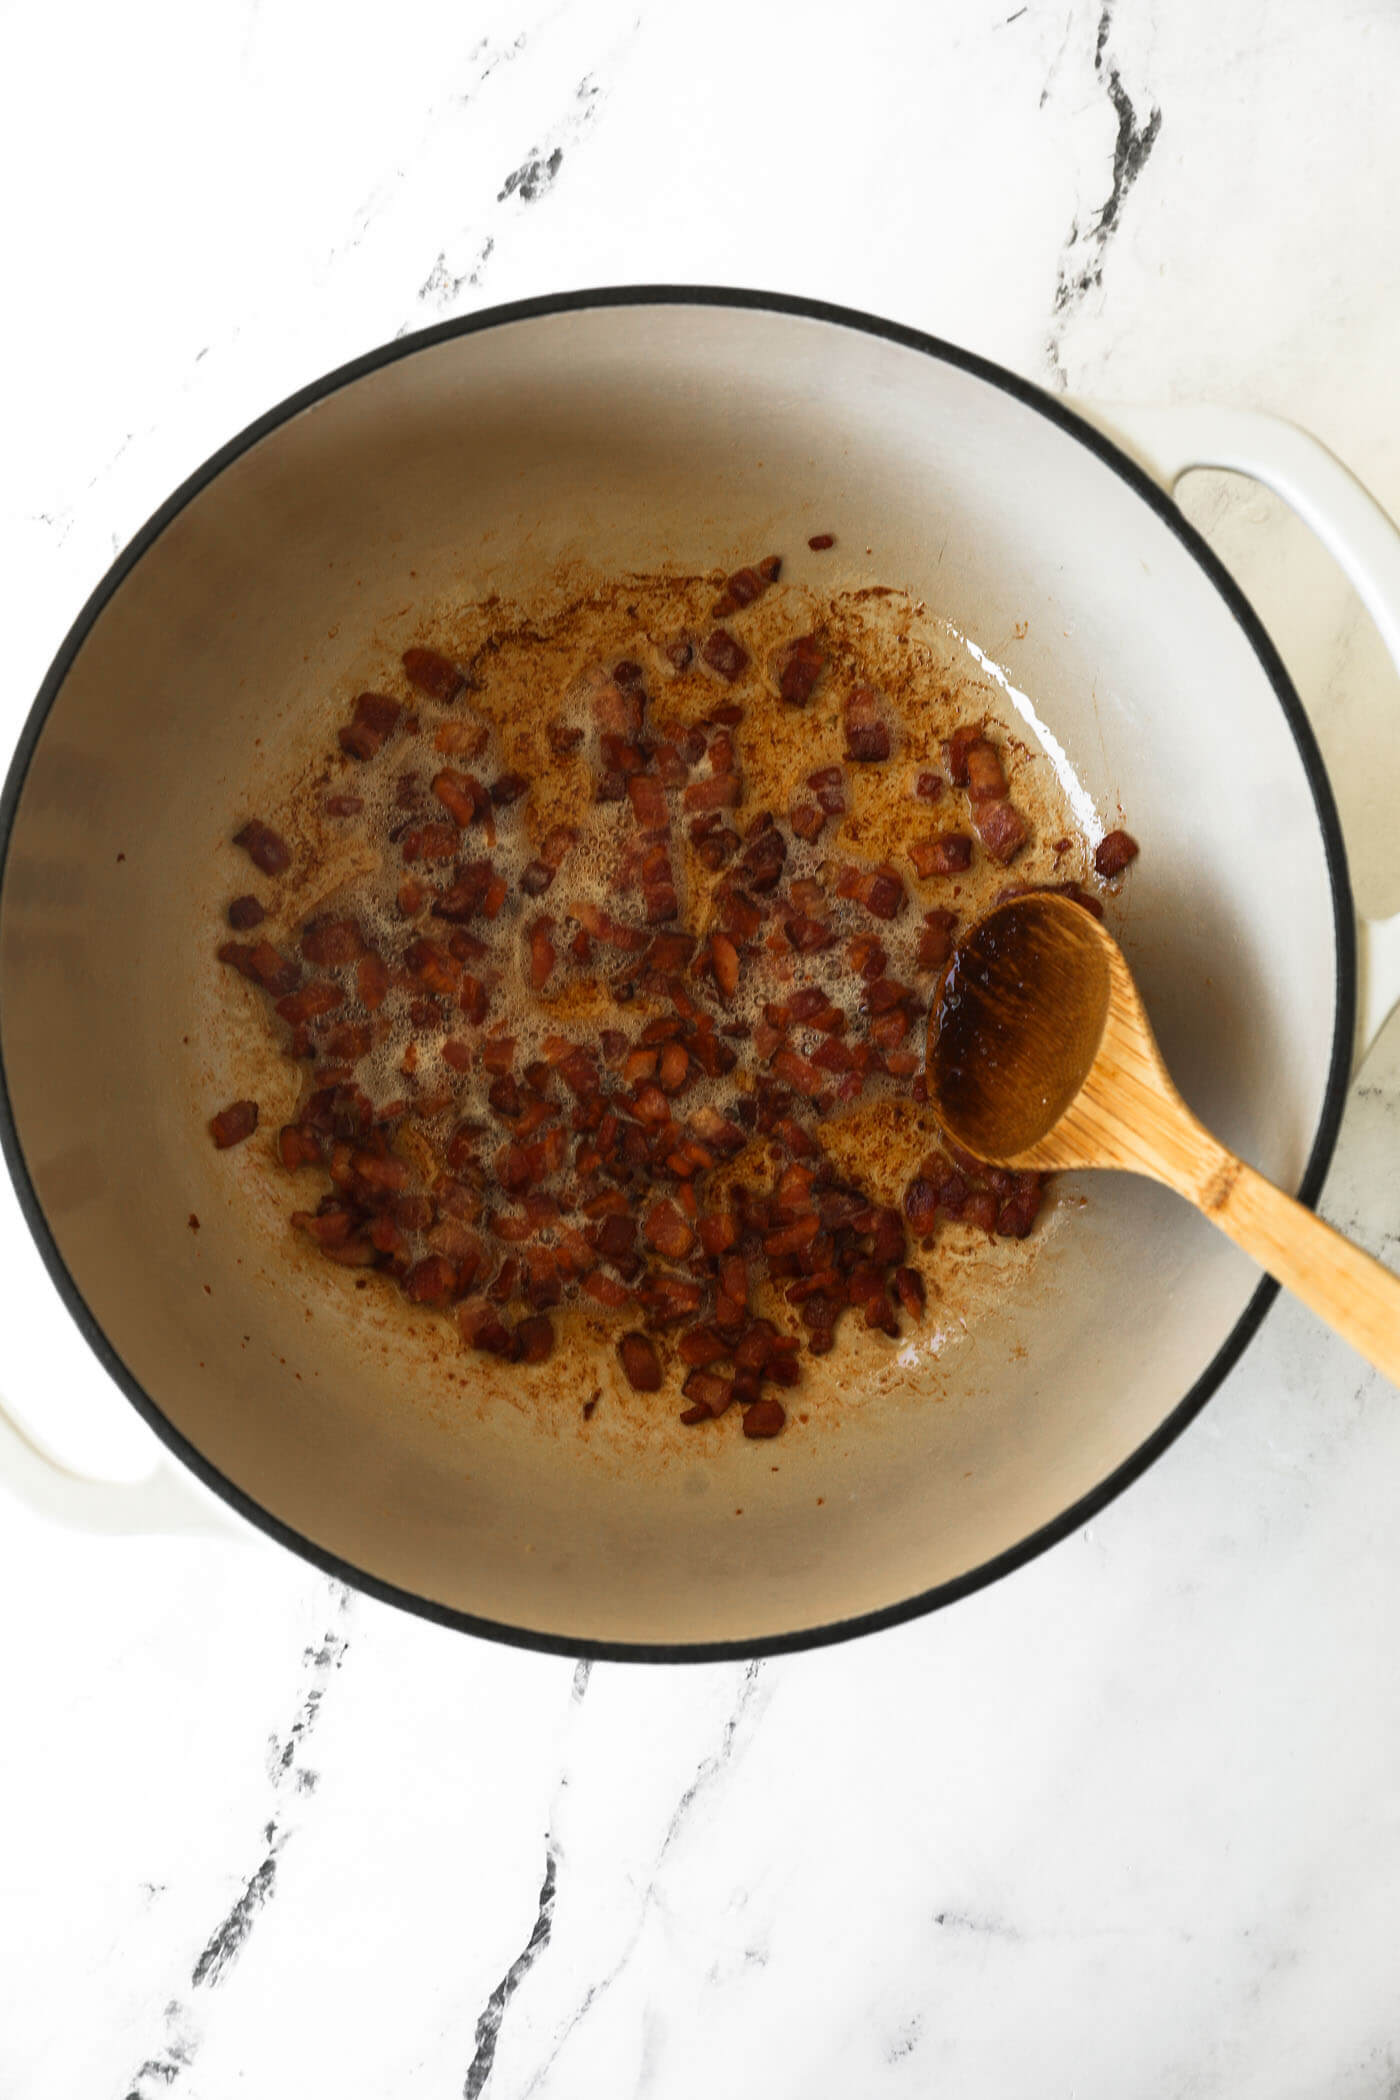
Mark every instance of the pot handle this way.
pixel 1351 525
pixel 165 1501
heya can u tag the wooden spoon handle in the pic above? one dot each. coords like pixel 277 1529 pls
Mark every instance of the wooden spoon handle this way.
pixel 1354 1294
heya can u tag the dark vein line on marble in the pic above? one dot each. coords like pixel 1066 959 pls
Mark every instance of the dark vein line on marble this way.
pixel 708 1771
pixel 287 1772
pixel 1081 265
pixel 488 2027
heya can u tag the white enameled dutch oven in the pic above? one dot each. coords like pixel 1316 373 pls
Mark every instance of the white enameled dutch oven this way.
pixel 632 428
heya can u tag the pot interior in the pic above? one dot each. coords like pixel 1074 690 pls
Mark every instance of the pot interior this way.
pixel 628 437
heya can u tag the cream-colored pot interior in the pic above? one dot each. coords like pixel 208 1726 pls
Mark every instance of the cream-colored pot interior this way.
pixel 632 435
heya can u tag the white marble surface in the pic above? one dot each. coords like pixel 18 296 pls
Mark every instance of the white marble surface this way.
pixel 1128 1823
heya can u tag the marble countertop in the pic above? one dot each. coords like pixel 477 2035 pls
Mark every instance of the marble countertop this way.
pixel 1127 1823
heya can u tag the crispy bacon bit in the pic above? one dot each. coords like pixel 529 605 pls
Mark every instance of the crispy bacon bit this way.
pixel 664 1228
pixel 297 1147
pixel 1114 852
pixel 370 727
pixel 720 791
pixel 725 655
pixel 234 1123
pixel 936 940
pixel 265 848
pixel 429 842
pixel 508 788
pixel 946 853
pixel 956 748
pixel 880 890
pixel 909 1285
pixel 806 820
pixel 434 675
pixel 467 739
pixel 765 1417
pixel 343 805
pixel 1001 828
pixel 640 1363
pixel 709 1395
pixel 461 795
pixel 828 784
pixel 867 734
pixel 648 799
pixel 799 668
pixel 331 941
pixel 542 953
pixel 986 782
pixel 536 1338
pixel 262 963
pixel 929 786
pixel 244 913
pixel 372 981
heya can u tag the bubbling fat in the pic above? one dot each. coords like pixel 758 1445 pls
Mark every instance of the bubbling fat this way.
pixel 540 697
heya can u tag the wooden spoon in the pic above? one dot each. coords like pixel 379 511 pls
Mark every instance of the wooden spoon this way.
pixel 1040 1055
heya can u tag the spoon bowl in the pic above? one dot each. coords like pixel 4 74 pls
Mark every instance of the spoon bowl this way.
pixel 1041 1055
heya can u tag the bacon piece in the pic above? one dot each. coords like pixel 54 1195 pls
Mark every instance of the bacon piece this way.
pixel 429 842
pixel 466 894
pixel 880 890
pixel 947 853
pixel 828 784
pixel 318 997
pixel 328 942
pixel 765 855
pixel 986 782
pixel 648 799
pixel 262 964
pixel 542 953
pixel 461 795
pixel 640 1363
pixel 234 1123
pixel 297 1147
pixel 820 541
pixel 1115 850
pixel 433 674
pixel 724 654
pixel 799 669
pixel 508 788
pixel 956 748
pixel 764 1418
pixel 1001 828
pixel 266 848
pixel 372 981
pixel 343 805
pixel 720 791
pixel 929 786
pixel 936 940
pixel 664 1228
pixel 245 913
pixel 464 739
pixel 370 726
pixel 708 1391
pixel 867 734
pixel 806 820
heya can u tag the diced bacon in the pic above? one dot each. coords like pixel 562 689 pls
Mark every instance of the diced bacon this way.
pixel 434 675
pixel 370 726
pixel 244 913
pixel 986 782
pixel 1114 852
pixel 331 941
pixel 542 953
pixel 640 1363
pixel 465 739
pixel 765 1418
pixel 799 1073
pixel 799 669
pixel 720 791
pixel 535 1336
pixel 956 748
pixel 318 997
pixel 507 788
pixel 724 654
pixel 461 795
pixel 867 733
pixel 234 1123
pixel 429 842
pixel 266 848
pixel 1002 829
pixel 806 820
pixel 372 981
pixel 707 1390
pixel 929 786
pixel 262 964
pixel 936 940
pixel 665 1229
pixel 648 799
pixel 947 853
